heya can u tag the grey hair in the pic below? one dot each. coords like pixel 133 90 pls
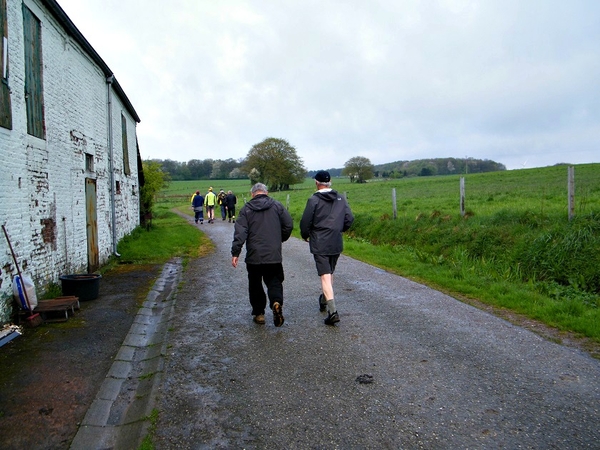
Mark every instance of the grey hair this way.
pixel 322 183
pixel 259 187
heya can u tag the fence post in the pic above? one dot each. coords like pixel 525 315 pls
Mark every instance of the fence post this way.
pixel 287 202
pixel 462 196
pixel 571 185
pixel 394 206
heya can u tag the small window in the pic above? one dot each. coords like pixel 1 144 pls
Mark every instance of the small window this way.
pixel 89 162
pixel 126 168
pixel 118 187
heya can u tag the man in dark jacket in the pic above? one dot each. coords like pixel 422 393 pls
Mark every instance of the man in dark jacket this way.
pixel 263 224
pixel 230 202
pixel 326 216
pixel 198 207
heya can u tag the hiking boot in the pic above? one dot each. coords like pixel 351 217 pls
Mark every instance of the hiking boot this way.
pixel 322 305
pixel 259 319
pixel 332 319
pixel 277 314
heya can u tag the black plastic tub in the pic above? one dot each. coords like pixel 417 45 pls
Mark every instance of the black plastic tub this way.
pixel 84 285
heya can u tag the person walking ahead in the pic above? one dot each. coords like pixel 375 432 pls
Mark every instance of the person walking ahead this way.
pixel 210 201
pixel 230 202
pixel 221 200
pixel 263 224
pixel 326 216
pixel 198 206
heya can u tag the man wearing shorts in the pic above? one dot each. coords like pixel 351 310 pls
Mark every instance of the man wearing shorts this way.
pixel 210 200
pixel 326 216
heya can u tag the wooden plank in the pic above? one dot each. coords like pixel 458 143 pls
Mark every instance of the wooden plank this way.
pixel 57 309
pixel 70 301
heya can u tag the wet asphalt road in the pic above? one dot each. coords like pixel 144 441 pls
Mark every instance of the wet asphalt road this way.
pixel 407 367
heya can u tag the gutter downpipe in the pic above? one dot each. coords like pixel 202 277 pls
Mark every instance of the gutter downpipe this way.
pixel 109 81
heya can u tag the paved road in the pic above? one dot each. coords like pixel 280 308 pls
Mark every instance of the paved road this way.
pixel 407 367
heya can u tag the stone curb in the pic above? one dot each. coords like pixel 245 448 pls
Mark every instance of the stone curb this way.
pixel 117 418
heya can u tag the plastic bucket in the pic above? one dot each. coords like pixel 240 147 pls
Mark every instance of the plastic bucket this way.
pixel 85 286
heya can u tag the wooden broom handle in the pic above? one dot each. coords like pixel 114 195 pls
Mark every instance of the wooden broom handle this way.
pixel 18 270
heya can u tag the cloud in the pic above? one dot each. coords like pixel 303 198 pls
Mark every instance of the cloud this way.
pixel 503 80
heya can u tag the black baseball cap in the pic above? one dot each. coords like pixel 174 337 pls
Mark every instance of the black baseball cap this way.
pixel 323 176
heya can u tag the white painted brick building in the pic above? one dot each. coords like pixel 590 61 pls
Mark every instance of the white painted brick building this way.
pixel 69 183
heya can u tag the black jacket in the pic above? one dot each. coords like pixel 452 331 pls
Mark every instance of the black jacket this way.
pixel 262 224
pixel 325 217
pixel 230 201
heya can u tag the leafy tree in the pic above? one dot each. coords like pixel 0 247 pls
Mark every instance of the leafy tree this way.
pixel 198 169
pixel 216 169
pixel 236 173
pixel 275 163
pixel 154 180
pixel 227 166
pixel 359 169
pixel 172 167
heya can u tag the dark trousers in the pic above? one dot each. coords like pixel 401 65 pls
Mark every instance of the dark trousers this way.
pixel 231 212
pixel 223 212
pixel 272 276
pixel 198 215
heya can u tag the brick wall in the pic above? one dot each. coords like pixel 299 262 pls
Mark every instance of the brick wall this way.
pixel 42 184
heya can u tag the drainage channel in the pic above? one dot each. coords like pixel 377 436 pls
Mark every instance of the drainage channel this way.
pixel 118 416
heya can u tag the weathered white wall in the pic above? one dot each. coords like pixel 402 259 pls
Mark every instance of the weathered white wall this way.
pixel 42 182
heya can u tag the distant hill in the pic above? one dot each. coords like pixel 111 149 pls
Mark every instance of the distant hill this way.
pixel 428 167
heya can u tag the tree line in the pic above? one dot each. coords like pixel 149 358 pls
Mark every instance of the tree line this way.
pixel 436 166
pixel 276 163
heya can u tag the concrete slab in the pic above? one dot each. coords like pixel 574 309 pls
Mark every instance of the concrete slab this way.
pixel 118 415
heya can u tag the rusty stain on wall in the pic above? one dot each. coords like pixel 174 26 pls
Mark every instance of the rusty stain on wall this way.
pixel 48 231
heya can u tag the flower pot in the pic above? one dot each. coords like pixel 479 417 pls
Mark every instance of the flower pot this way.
pixel 85 285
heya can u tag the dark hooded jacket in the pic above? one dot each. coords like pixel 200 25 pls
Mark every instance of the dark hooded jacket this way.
pixel 262 224
pixel 325 217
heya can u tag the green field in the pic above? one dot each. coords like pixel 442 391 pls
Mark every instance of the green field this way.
pixel 515 247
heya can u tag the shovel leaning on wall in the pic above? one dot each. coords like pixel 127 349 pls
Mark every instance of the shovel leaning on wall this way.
pixel 34 319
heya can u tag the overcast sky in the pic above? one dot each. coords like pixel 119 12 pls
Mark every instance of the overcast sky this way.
pixel 514 81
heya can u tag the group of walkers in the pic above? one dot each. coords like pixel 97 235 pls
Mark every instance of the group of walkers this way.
pixel 224 201
pixel 264 224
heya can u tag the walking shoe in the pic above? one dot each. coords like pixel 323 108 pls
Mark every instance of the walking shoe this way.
pixel 322 305
pixel 277 314
pixel 259 319
pixel 332 319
